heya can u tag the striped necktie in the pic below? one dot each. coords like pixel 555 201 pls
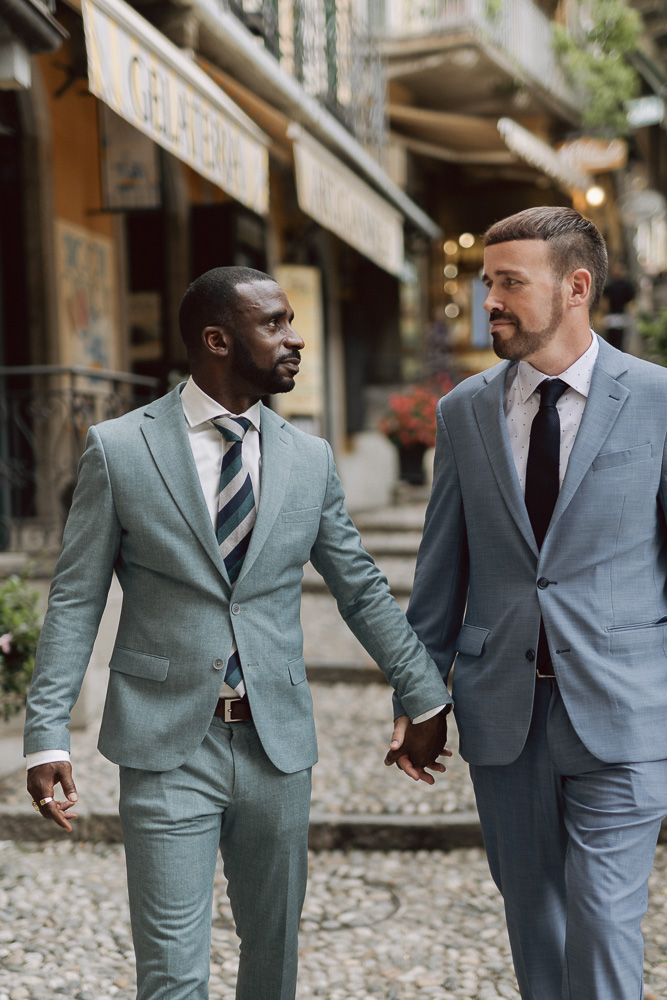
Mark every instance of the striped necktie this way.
pixel 236 518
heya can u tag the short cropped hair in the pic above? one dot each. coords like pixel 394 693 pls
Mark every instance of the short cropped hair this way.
pixel 212 300
pixel 573 240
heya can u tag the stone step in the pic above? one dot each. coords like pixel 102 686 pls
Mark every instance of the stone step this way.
pixel 326 832
pixel 407 517
pixel 399 572
pixel 392 543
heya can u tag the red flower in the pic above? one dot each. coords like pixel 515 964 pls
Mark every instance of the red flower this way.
pixel 410 418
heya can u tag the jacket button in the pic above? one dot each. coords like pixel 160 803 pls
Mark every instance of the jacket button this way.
pixel 530 655
pixel 543 583
pixel 218 664
pixel 236 608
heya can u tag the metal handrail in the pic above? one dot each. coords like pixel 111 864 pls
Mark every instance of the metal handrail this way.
pixel 96 373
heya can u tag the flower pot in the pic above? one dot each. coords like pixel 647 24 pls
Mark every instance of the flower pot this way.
pixel 411 463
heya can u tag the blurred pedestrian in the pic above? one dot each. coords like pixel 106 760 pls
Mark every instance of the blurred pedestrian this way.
pixel 619 293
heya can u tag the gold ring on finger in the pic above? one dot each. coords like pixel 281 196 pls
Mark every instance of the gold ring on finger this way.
pixel 45 802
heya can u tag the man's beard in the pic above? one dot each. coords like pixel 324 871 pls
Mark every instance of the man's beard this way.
pixel 522 343
pixel 267 380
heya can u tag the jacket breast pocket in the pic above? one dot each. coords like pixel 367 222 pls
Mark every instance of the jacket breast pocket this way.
pixel 470 640
pixel 613 459
pixel 137 664
pixel 305 514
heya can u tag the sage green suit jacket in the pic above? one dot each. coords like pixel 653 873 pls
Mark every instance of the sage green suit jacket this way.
pixel 139 510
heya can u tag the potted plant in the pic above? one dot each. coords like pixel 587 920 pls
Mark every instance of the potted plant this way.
pixel 653 330
pixel 19 632
pixel 410 423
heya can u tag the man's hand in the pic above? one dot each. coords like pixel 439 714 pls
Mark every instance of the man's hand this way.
pixel 416 747
pixel 41 780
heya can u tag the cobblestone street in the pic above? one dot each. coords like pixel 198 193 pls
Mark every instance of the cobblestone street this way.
pixel 395 925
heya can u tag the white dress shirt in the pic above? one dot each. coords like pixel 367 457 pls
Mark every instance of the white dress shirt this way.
pixel 208 444
pixel 207 448
pixel 522 402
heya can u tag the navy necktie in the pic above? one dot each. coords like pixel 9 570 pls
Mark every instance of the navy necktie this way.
pixel 542 481
pixel 542 468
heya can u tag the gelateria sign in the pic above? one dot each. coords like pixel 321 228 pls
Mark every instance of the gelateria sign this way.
pixel 154 86
pixel 335 197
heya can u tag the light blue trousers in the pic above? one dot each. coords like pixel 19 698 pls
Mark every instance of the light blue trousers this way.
pixel 571 842
pixel 228 796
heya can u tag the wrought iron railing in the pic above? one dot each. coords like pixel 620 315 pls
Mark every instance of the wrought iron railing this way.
pixel 328 48
pixel 517 27
pixel 45 413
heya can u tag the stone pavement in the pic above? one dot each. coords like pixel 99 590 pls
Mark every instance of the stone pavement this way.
pixel 389 924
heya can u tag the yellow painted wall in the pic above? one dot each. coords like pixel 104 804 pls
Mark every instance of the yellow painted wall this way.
pixel 76 174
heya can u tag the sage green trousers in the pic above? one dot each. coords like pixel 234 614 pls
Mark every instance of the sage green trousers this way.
pixel 226 796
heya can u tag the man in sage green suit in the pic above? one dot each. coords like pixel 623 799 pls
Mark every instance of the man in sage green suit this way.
pixel 203 768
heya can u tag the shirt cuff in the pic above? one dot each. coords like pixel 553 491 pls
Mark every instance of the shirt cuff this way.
pixel 45 757
pixel 428 715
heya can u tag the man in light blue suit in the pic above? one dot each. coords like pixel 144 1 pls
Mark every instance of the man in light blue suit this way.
pixel 543 570
pixel 207 505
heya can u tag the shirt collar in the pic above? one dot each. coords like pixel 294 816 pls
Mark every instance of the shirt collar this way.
pixel 201 409
pixel 578 375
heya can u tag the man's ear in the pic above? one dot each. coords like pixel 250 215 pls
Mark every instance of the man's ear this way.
pixel 216 340
pixel 580 285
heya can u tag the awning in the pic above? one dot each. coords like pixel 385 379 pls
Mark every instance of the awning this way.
pixel 540 155
pixel 331 194
pixel 468 139
pixel 150 83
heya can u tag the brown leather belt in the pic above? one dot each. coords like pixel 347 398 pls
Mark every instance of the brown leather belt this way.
pixel 233 710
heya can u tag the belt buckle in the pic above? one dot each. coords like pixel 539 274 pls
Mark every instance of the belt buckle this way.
pixel 229 703
pixel 545 676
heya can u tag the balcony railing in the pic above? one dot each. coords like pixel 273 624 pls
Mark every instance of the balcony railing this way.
pixel 518 28
pixel 45 413
pixel 329 50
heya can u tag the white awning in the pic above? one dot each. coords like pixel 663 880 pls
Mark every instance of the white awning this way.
pixel 154 86
pixel 539 154
pixel 334 196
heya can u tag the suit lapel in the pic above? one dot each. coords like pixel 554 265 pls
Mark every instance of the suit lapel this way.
pixel 165 432
pixel 605 401
pixel 488 407
pixel 277 446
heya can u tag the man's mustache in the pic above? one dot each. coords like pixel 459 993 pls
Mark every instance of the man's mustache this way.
pixel 296 355
pixel 496 315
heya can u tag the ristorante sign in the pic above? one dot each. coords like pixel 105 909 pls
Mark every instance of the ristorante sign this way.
pixel 150 83
pixel 335 197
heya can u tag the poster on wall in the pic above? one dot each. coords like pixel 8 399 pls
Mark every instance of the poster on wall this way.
pixel 86 288
pixel 129 165
pixel 304 405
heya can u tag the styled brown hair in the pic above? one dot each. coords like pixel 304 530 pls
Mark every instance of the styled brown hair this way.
pixel 574 241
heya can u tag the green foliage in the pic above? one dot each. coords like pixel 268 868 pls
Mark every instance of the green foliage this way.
pixel 19 632
pixel 653 330
pixel 596 64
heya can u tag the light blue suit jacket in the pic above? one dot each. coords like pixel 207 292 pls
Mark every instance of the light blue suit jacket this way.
pixel 139 510
pixel 481 584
